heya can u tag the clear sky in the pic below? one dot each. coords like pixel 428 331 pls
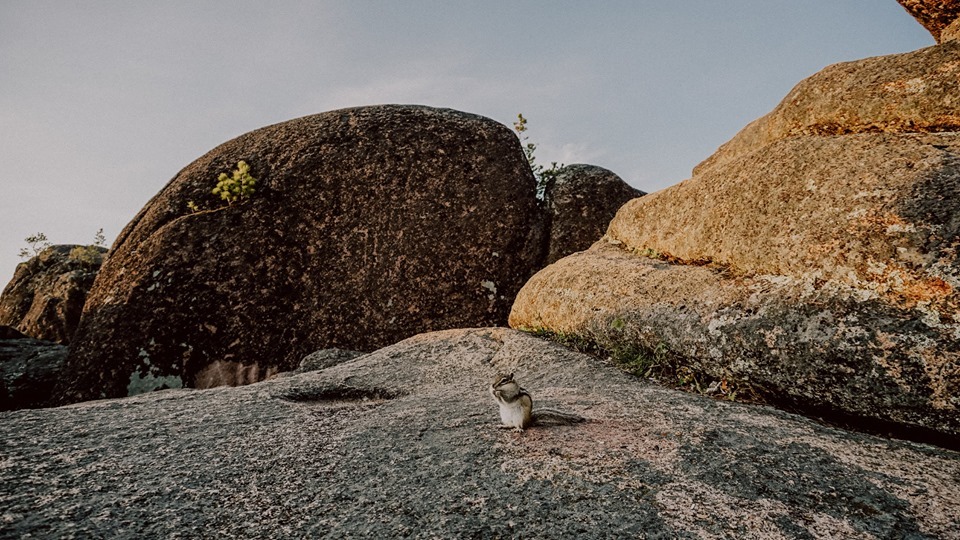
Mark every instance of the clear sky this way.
pixel 102 102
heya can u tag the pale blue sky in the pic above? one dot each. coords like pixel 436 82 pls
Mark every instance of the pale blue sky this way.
pixel 102 102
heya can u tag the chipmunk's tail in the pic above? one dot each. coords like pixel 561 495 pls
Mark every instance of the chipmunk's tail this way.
pixel 546 416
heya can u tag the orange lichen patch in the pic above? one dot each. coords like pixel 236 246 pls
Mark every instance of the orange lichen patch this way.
pixel 818 251
pixel 931 289
pixel 949 67
pixel 875 221
pixel 904 287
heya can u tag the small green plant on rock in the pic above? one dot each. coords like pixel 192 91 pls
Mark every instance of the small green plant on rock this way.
pixel 38 243
pixel 640 361
pixel 649 253
pixel 234 188
pixel 91 254
pixel 545 176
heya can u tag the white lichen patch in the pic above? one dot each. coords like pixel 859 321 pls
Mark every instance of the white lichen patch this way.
pixel 490 286
pixel 915 85
pixel 901 228
pixel 149 378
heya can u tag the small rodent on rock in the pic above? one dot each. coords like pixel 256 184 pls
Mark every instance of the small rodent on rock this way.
pixel 516 406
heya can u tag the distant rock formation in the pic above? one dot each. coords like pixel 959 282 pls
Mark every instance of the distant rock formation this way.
pixel 45 298
pixel 404 442
pixel 30 370
pixel 368 225
pixel 582 201
pixel 934 15
pixel 814 256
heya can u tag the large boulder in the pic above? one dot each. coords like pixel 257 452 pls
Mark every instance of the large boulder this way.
pixel 880 212
pixel 45 298
pixel 819 347
pixel 29 370
pixel 813 258
pixel 582 200
pixel 367 225
pixel 934 15
pixel 404 442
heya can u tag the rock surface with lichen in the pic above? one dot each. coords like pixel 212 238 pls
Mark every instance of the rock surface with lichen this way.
pixel 814 258
pixel 404 442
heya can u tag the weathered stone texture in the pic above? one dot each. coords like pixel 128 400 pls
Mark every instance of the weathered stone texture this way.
pixel 880 212
pixel 404 442
pixel 582 201
pixel 368 225
pixel 30 370
pixel 952 32
pixel 45 298
pixel 934 15
pixel 900 93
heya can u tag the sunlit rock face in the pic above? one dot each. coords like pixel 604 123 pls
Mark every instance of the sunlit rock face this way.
pixel 814 257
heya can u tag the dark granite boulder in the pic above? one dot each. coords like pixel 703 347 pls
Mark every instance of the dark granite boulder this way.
pixel 367 225
pixel 29 370
pixel 582 201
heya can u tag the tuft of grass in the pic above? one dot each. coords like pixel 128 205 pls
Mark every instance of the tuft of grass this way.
pixel 620 344
pixel 570 340
pixel 90 254
pixel 640 361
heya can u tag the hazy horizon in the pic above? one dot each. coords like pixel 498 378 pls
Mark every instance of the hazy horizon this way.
pixel 104 102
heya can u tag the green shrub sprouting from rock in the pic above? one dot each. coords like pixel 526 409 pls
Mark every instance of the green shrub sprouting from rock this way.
pixel 91 254
pixel 38 243
pixel 236 187
pixel 545 176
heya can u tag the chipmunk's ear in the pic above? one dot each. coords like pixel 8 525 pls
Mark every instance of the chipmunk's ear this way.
pixel 509 377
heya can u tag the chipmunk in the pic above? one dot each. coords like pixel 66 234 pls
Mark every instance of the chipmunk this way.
pixel 516 406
